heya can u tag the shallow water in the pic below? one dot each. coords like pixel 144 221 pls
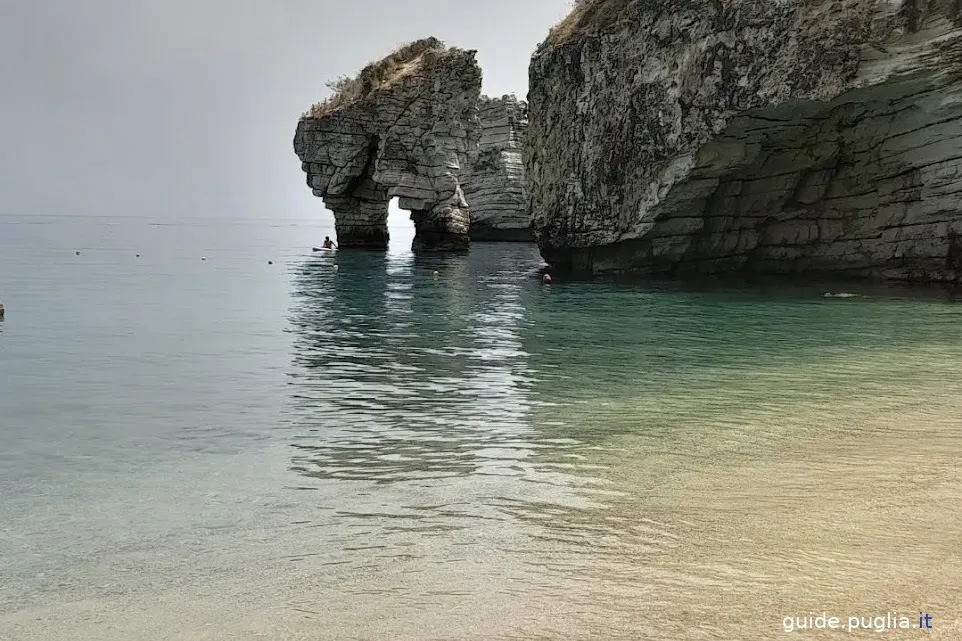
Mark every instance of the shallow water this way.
pixel 226 449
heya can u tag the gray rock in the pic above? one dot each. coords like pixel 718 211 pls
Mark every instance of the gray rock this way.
pixel 698 136
pixel 403 128
pixel 494 184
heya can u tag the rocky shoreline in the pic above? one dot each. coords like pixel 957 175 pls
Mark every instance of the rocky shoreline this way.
pixel 686 137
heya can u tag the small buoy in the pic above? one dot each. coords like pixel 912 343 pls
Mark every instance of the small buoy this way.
pixel 270 262
pixel 546 278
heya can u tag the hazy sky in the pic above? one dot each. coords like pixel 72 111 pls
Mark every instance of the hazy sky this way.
pixel 188 107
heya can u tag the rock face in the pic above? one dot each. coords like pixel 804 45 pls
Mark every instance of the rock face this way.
pixel 403 128
pixel 787 136
pixel 494 185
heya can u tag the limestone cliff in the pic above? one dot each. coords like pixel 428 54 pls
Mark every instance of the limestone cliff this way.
pixel 404 127
pixel 789 136
pixel 494 184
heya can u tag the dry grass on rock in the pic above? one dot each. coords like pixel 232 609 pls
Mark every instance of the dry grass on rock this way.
pixel 587 15
pixel 377 75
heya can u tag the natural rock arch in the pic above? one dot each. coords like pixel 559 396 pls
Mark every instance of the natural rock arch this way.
pixel 403 128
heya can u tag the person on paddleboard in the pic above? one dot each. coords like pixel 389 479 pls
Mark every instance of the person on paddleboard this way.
pixel 328 243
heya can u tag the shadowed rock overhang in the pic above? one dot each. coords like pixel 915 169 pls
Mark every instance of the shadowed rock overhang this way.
pixel 778 136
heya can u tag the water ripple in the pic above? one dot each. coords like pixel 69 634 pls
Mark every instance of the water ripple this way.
pixel 617 437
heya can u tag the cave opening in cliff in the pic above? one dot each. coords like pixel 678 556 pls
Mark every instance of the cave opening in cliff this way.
pixel 401 228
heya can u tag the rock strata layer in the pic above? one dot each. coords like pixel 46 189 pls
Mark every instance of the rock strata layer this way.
pixel 494 185
pixel 403 128
pixel 780 136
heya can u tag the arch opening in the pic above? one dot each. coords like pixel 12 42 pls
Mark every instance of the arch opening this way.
pixel 400 227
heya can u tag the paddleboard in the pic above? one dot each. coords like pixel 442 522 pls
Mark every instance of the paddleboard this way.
pixel 324 249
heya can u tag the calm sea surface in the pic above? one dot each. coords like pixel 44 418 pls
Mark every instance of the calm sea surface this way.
pixel 227 449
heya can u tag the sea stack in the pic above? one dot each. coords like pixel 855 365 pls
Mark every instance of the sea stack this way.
pixel 773 136
pixel 494 183
pixel 403 127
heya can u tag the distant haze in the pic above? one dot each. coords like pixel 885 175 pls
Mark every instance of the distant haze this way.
pixel 188 108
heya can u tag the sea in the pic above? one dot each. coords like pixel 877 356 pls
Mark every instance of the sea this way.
pixel 210 432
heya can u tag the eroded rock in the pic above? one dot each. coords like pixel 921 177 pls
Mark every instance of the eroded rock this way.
pixel 785 136
pixel 403 128
pixel 494 184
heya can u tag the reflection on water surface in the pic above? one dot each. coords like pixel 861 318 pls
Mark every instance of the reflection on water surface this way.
pixel 472 456
pixel 610 455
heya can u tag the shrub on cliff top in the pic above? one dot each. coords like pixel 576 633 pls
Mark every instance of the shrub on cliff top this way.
pixel 383 73
pixel 586 14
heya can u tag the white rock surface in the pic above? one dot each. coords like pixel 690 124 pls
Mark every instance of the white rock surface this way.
pixel 787 136
pixel 494 184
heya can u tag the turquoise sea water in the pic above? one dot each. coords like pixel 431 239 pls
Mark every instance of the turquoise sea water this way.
pixel 231 449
